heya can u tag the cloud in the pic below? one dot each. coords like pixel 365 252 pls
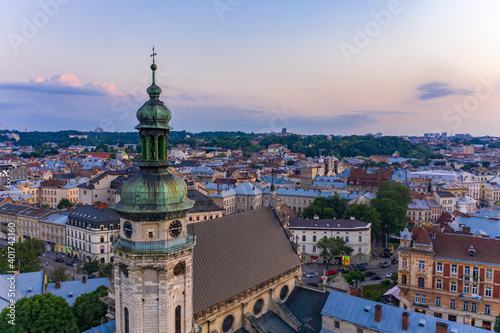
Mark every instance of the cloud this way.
pixel 65 83
pixel 438 89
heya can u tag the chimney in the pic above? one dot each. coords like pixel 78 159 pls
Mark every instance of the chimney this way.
pixel 378 313
pixel 84 279
pixel 58 284
pixel 406 321
pixel 441 327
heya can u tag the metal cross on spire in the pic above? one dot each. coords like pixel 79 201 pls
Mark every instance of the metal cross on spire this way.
pixel 153 54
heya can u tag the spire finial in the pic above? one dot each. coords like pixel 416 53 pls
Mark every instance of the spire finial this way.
pixel 153 54
pixel 153 66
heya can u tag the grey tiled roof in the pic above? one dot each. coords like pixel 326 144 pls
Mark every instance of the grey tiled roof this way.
pixel 236 252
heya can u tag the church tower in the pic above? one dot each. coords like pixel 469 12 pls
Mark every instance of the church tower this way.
pixel 153 257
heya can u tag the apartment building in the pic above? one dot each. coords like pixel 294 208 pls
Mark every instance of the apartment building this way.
pixel 450 276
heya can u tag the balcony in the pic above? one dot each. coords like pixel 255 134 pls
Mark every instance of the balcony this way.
pixel 420 305
pixel 156 247
pixel 471 297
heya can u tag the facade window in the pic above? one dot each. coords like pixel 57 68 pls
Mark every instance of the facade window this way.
pixel 438 301
pixel 453 304
pixel 466 306
pixel 439 284
pixel 337 324
pixel 487 292
pixel 454 269
pixel 359 330
pixel 403 279
pixel 424 299
pixel 421 282
pixel 347 239
pixel 314 248
pixel 421 265
pixel 102 249
pixel 487 309
pixel 474 307
pixel 489 274
pixel 453 286
pixel 304 238
pixel 359 239
pixel 467 270
pixel 314 238
pixel 127 329
pixel 404 263
pixel 474 289
pixel 439 267
pixel 102 239
pixel 466 288
pixel 303 248
pixel 417 298
pixel 178 319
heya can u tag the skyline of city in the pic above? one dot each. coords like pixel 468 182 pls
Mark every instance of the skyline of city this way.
pixel 398 68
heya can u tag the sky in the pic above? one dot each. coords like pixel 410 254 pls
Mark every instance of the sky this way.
pixel 322 67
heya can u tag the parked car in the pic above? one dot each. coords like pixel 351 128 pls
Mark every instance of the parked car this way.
pixel 313 284
pixel 387 253
pixel 385 264
pixel 69 263
pixel 331 272
pixel 343 271
pixel 376 277
pixel 59 260
pixel 91 276
pixel 360 268
pixel 394 261
pixel 370 273
pixel 388 275
pixel 312 274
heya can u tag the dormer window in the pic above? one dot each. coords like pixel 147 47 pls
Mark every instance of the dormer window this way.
pixel 472 251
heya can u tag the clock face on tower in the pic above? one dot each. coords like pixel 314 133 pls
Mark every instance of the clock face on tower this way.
pixel 175 228
pixel 127 229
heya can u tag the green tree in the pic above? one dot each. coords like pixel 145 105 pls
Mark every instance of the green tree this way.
pixel 394 277
pixel 105 270
pixel 326 208
pixel 27 256
pixel 333 247
pixel 496 328
pixel 64 203
pixel 90 267
pixel 59 274
pixel 365 213
pixel 354 276
pixel 485 164
pixel 392 215
pixel 396 191
pixel 40 313
pixel 89 310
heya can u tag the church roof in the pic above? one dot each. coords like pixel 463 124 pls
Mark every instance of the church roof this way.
pixel 237 252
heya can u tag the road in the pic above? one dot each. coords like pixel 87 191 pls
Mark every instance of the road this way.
pixel 49 263
pixel 373 266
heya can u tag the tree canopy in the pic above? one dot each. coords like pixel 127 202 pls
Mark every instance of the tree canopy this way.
pixel 326 208
pixel 40 314
pixel 333 247
pixel 27 256
pixel 89 310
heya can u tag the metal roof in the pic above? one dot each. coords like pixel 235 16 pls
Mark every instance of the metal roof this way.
pixel 237 252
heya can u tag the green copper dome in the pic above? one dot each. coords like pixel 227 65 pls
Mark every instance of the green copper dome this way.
pixel 154 191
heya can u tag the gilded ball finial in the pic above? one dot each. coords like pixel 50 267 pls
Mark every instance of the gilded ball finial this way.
pixel 153 67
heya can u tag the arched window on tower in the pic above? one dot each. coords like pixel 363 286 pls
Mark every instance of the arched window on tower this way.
pixel 178 319
pixel 126 321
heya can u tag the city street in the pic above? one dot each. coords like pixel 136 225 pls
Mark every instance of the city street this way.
pixel 373 266
pixel 50 259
